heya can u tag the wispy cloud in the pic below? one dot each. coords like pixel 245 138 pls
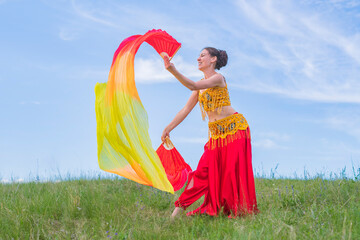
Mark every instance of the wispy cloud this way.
pixel 130 18
pixel 346 121
pixel 274 135
pixel 266 143
pixel 5 181
pixel 270 140
pixel 147 71
pixel 29 102
pixel 297 49
pixel 333 150
pixel 90 15
pixel 88 73
pixel 78 17
pixel 338 4
pixel 303 53
pixel 67 35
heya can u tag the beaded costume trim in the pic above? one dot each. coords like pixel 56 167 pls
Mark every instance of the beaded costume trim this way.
pixel 213 98
pixel 225 130
pixel 228 125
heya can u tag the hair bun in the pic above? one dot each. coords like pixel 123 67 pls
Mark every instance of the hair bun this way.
pixel 222 59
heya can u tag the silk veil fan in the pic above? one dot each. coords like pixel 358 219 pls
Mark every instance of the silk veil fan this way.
pixel 124 144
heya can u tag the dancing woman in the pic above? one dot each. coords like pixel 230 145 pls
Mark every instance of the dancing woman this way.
pixel 224 173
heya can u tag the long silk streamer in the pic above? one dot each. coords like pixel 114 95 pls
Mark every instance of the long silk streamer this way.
pixel 124 144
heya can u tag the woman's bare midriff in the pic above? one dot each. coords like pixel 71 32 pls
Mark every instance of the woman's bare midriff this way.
pixel 225 112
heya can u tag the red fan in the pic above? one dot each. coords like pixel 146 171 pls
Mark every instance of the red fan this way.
pixel 177 170
pixel 162 42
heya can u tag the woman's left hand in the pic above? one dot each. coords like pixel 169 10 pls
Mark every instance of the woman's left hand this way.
pixel 165 134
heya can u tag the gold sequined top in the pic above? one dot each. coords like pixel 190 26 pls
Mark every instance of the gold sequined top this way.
pixel 213 98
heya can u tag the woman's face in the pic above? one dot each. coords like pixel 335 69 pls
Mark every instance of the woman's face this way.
pixel 205 60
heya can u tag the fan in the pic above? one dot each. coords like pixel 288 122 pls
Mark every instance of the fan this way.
pixel 161 41
pixel 177 170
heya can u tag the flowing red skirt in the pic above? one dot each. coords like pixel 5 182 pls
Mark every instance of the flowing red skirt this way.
pixel 225 176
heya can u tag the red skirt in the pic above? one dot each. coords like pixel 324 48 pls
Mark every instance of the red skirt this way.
pixel 225 176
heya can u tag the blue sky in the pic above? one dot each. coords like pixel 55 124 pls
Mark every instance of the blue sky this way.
pixel 293 72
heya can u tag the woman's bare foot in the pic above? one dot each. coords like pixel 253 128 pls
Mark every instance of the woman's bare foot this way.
pixel 176 211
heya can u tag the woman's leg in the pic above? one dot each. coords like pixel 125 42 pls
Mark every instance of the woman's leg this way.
pixel 197 184
pixel 176 211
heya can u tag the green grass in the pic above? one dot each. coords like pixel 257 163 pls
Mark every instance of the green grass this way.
pixel 122 209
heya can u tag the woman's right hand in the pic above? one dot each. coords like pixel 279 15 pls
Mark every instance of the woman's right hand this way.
pixel 168 65
pixel 166 133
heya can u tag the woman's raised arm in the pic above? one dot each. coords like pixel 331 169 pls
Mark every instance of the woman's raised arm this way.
pixel 214 81
pixel 181 115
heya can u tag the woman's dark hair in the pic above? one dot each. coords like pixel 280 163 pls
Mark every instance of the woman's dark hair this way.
pixel 221 56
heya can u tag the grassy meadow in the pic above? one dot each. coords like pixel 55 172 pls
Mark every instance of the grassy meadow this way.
pixel 121 209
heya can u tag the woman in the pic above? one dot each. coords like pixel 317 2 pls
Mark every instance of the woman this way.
pixel 224 173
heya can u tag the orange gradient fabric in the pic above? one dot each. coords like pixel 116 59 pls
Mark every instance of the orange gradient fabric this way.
pixel 124 144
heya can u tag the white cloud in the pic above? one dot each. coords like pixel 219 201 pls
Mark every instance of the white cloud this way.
pixel 296 49
pixel 89 73
pixel 18 180
pixel 147 71
pixel 274 135
pixel 336 147
pixel 67 35
pixel 80 16
pixel 129 19
pixel 5 181
pixel 270 140
pixel 153 71
pixel 340 4
pixel 150 71
pixel 347 44
pixel 299 52
pixel 265 143
pixel 82 12
pixel 29 102
pixel 348 122
pixel 344 119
